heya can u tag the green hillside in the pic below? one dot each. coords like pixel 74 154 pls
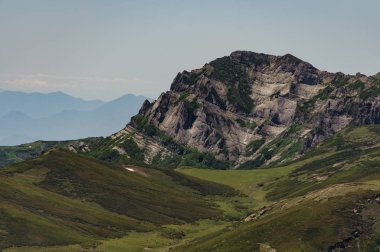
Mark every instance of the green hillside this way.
pixel 328 200
pixel 64 198
pixel 318 222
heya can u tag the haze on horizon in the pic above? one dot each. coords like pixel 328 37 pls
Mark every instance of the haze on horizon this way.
pixel 98 49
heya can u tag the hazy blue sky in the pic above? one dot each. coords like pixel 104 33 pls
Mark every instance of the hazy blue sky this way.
pixel 103 49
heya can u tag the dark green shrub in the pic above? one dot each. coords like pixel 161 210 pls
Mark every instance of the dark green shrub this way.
pixel 132 149
pixel 233 73
pixel 183 96
pixel 357 85
pixel 253 146
pixel 246 124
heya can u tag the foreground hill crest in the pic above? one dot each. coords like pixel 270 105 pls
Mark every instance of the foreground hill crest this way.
pixel 247 110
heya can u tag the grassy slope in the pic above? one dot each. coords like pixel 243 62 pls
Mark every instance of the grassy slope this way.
pixel 249 182
pixel 312 204
pixel 64 198
pixel 309 225
pixel 160 240
pixel 313 207
pixel 352 155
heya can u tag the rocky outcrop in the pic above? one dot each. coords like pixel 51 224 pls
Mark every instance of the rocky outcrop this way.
pixel 253 109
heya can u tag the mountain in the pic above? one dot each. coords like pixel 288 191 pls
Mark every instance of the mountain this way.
pixel 313 138
pixel 247 110
pixel 15 128
pixel 37 105
pixel 102 121
pixel 86 120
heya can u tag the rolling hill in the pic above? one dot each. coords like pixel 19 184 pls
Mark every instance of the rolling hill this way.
pixel 328 200
pixel 64 198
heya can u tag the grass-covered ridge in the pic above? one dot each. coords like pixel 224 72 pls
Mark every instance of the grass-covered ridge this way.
pixel 19 153
pixel 351 155
pixel 64 198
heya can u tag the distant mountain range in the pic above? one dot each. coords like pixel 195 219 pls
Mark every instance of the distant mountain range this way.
pixel 27 117
pixel 37 105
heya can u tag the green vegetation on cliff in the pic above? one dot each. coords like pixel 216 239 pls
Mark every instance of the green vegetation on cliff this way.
pixel 231 72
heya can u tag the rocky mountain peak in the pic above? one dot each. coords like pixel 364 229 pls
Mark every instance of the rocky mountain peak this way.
pixel 250 109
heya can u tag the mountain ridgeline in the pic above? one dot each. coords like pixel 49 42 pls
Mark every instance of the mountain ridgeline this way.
pixel 28 117
pixel 245 110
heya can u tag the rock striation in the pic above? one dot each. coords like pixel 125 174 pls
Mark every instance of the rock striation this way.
pixel 250 109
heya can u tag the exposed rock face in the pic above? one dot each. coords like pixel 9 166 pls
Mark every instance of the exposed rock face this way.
pixel 237 107
pixel 151 147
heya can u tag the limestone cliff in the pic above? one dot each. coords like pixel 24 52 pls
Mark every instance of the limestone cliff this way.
pixel 251 109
